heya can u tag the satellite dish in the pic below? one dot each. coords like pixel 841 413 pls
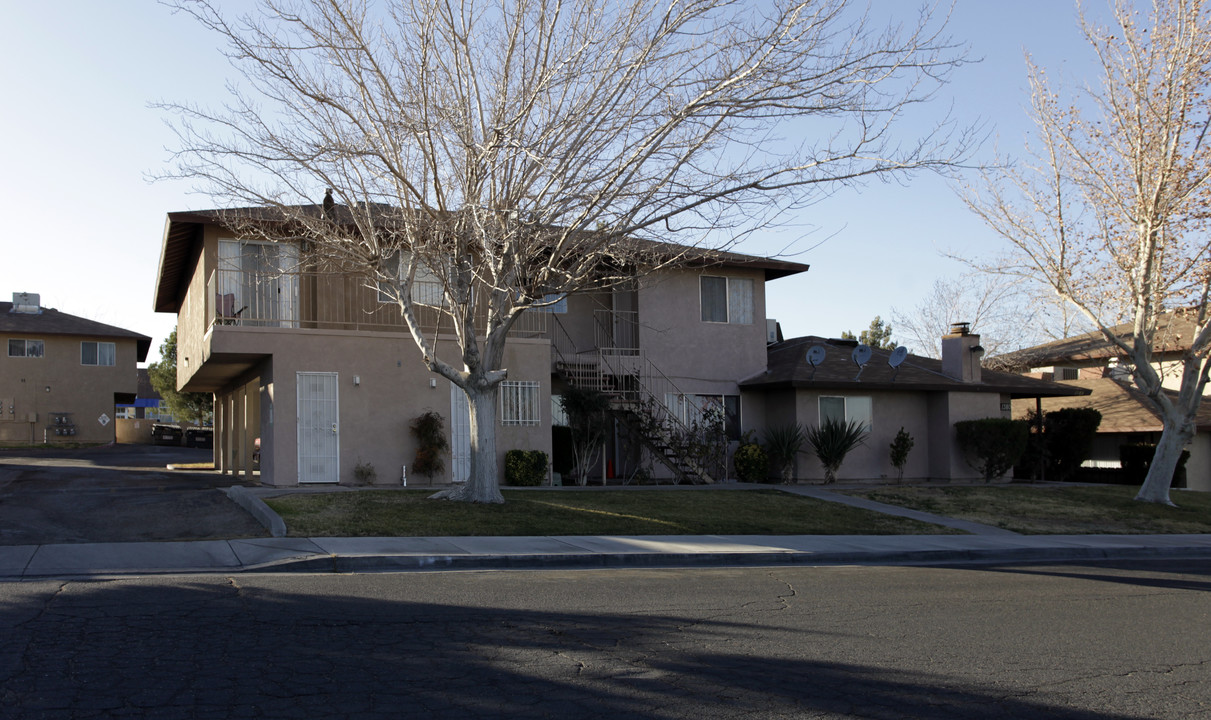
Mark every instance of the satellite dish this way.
pixel 897 357
pixel 815 356
pixel 861 356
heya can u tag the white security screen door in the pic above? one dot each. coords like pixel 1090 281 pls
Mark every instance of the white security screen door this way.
pixel 460 435
pixel 319 439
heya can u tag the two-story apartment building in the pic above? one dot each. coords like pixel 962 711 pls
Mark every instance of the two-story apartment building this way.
pixel 62 375
pixel 317 373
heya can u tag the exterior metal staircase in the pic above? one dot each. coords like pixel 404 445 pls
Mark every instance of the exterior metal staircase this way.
pixel 636 389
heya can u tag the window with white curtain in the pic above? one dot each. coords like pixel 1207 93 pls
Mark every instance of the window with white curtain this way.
pixel 847 409
pixel 427 288
pixel 519 403
pixel 97 353
pixel 726 299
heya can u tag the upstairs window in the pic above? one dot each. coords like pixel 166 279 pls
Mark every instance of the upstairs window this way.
pixel 97 353
pixel 427 288
pixel 25 348
pixel 726 299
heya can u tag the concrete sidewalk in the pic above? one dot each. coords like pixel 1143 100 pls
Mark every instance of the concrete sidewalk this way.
pixel 983 544
pixel 349 555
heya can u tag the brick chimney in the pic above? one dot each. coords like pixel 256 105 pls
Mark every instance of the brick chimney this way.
pixel 961 353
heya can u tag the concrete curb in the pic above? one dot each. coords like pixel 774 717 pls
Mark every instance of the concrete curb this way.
pixel 313 556
pixel 258 509
pixel 342 564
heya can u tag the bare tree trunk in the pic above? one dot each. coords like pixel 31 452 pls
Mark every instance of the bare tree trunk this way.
pixel 482 486
pixel 1164 462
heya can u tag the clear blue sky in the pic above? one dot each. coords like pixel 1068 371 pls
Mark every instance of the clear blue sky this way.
pixel 82 226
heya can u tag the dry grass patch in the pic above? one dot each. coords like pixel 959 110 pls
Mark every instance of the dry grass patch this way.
pixel 409 513
pixel 1056 509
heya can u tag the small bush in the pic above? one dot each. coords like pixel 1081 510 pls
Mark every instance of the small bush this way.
pixel 525 468
pixel 429 430
pixel 751 463
pixel 899 449
pixel 992 445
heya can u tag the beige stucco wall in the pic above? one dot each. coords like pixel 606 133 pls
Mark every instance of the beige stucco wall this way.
pixel 192 320
pixel 374 415
pixel 85 391
pixel 700 357
pixel 928 417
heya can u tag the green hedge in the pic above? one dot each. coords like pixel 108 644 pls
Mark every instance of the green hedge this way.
pixel 525 468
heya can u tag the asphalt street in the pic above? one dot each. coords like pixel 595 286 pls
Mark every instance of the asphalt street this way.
pixel 1072 642
pixel 115 493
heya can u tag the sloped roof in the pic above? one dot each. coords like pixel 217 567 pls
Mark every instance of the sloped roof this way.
pixel 1173 334
pixel 1123 407
pixel 182 229
pixel 788 368
pixel 52 322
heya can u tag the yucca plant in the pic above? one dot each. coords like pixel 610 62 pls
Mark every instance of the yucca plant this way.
pixel 832 441
pixel 782 444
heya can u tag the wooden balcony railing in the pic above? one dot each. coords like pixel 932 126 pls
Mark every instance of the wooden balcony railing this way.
pixel 327 301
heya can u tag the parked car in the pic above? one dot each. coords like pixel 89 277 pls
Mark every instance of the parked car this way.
pixel 200 437
pixel 164 434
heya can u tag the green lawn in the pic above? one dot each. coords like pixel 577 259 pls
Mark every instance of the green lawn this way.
pixel 408 513
pixel 1056 509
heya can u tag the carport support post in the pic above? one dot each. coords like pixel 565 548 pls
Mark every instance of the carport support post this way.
pixel 251 423
pixel 220 434
pixel 241 427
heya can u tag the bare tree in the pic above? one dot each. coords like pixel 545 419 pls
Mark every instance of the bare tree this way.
pixel 1111 211
pixel 1007 315
pixel 509 152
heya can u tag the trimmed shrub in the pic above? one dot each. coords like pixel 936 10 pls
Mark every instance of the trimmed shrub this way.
pixel 751 463
pixel 1069 434
pixel 525 468
pixel 992 445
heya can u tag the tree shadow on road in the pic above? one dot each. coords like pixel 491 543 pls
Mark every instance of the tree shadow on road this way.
pixel 213 648
pixel 1170 574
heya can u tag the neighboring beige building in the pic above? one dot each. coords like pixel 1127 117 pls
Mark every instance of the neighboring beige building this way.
pixel 325 377
pixel 924 396
pixel 1092 362
pixel 61 375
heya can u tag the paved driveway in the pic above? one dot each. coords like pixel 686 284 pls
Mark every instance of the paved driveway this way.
pixel 117 493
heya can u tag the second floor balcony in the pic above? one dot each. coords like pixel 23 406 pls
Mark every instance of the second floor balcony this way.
pixel 328 301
